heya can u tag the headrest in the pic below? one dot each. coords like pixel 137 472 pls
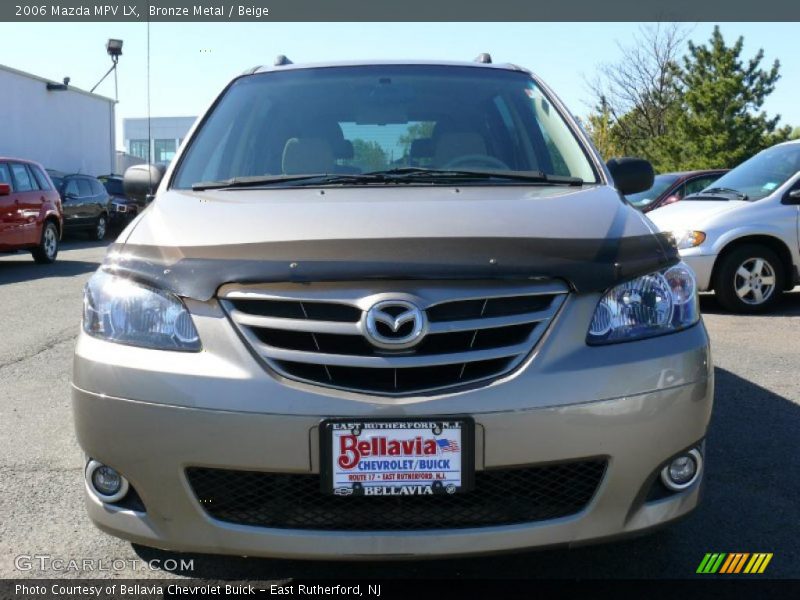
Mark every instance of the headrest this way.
pixel 306 156
pixel 452 145
pixel 343 149
pixel 421 148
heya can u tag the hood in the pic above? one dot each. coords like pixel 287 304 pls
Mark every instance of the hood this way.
pixel 691 214
pixel 194 242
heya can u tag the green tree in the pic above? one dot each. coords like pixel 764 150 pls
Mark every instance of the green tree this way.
pixel 369 155
pixel 703 110
pixel 601 128
pixel 721 122
pixel 636 97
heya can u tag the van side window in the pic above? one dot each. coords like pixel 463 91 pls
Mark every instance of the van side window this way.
pixel 40 177
pixel 5 174
pixel 24 181
pixel 71 189
pixel 84 187
pixel 97 188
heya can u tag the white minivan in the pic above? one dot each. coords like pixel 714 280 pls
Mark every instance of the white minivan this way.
pixel 740 235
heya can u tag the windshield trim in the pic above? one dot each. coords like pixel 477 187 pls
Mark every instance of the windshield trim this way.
pixel 585 142
pixel 581 136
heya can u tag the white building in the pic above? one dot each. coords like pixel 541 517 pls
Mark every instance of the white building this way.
pixel 157 142
pixel 58 125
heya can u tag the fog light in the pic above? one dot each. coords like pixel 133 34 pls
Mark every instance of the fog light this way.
pixel 683 470
pixel 105 483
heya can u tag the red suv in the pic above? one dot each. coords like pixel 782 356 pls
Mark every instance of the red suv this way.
pixel 30 210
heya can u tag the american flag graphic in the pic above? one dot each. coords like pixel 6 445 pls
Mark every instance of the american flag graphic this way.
pixel 447 445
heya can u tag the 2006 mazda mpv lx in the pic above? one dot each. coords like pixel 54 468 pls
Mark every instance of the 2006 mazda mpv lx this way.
pixel 391 309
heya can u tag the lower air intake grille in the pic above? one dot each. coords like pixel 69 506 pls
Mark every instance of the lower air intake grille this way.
pixel 500 497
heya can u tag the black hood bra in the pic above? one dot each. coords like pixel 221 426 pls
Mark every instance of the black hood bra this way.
pixel 588 265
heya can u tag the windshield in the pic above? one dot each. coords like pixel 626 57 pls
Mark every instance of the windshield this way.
pixel 353 120
pixel 660 185
pixel 761 175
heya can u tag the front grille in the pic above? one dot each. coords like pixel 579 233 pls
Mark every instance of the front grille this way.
pixel 500 497
pixel 315 333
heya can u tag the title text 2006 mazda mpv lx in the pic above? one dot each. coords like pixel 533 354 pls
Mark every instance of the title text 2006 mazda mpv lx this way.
pixel 390 309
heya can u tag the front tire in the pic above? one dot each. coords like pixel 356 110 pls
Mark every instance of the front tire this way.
pixel 100 228
pixel 750 279
pixel 47 250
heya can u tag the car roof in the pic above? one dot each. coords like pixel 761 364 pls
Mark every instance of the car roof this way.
pixel 367 63
pixel 21 160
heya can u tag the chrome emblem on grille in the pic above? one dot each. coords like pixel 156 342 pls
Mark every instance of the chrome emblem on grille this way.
pixel 394 324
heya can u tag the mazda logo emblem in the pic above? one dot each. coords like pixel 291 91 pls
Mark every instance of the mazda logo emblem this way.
pixel 394 324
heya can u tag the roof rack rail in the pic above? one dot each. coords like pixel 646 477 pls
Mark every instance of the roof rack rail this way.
pixel 484 57
pixel 281 60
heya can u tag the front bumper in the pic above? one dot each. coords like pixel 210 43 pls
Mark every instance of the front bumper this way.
pixel 152 445
pixel 122 214
pixel 702 265
pixel 152 414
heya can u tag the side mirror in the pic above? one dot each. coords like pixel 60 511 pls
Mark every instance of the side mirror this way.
pixel 5 189
pixel 631 175
pixel 141 181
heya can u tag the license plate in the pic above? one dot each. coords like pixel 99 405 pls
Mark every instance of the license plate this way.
pixel 397 457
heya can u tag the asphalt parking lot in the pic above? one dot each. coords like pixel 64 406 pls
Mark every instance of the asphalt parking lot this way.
pixel 750 505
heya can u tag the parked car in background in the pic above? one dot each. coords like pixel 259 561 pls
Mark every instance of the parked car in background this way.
pixel 85 202
pixel 122 209
pixel 740 235
pixel 30 210
pixel 671 187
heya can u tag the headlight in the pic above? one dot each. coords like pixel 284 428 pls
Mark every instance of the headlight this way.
pixel 688 239
pixel 119 310
pixel 651 305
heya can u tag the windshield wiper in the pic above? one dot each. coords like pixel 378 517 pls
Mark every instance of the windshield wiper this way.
pixel 390 176
pixel 262 180
pixel 422 173
pixel 721 191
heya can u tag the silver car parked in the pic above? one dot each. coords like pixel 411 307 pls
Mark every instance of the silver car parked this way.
pixel 393 309
pixel 740 235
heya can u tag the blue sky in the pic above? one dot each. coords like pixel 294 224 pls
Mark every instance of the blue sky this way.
pixel 190 62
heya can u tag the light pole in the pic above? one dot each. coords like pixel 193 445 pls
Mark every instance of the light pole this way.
pixel 114 50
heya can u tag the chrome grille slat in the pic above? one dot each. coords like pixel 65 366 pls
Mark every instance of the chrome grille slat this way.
pixel 386 361
pixel 345 328
pixel 477 331
pixel 489 322
pixel 307 325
